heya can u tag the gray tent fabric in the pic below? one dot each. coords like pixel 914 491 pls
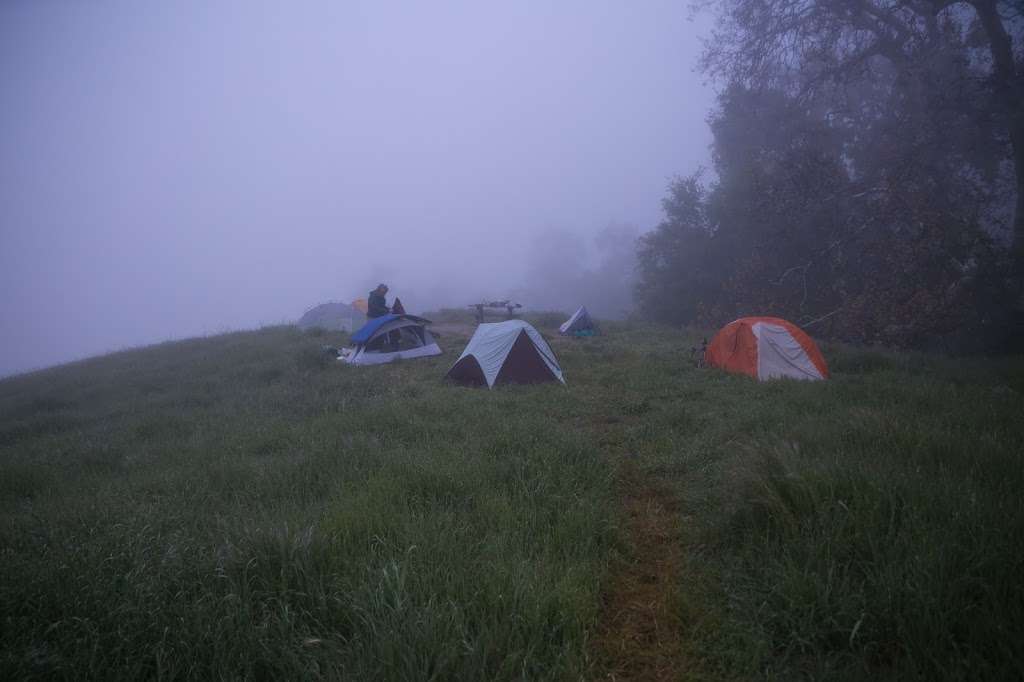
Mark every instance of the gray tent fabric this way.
pixel 333 316
pixel 780 355
pixel 580 321
pixel 506 352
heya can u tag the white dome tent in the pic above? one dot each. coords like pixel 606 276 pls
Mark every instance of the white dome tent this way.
pixel 506 352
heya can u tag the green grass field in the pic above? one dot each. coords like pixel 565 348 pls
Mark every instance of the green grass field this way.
pixel 241 507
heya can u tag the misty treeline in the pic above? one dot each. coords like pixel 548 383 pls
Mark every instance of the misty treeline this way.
pixel 868 162
pixel 566 270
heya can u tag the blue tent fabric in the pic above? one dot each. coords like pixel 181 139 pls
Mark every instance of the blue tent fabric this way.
pixel 367 331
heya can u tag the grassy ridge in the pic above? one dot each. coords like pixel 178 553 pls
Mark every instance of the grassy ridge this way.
pixel 241 506
pixel 867 527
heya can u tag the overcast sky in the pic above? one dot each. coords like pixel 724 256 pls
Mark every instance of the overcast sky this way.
pixel 169 169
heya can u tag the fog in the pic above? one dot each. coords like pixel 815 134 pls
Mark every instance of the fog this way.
pixel 174 169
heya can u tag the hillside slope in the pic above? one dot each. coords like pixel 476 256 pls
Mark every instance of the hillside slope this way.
pixel 242 506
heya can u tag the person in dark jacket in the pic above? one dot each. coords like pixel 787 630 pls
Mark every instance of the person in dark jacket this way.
pixel 376 304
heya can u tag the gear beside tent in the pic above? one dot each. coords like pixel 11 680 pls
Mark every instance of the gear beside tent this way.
pixel 580 324
pixel 510 352
pixel 391 337
pixel 766 348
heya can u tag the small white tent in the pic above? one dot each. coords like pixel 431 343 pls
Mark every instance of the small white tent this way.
pixel 391 337
pixel 506 352
pixel 580 323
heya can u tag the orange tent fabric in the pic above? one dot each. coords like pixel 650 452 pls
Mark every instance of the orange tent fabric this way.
pixel 361 305
pixel 766 348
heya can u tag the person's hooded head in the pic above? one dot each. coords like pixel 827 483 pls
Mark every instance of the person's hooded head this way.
pixel 382 289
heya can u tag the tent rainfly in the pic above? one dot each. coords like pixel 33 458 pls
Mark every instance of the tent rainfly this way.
pixel 766 348
pixel 333 316
pixel 391 337
pixel 510 352
pixel 580 324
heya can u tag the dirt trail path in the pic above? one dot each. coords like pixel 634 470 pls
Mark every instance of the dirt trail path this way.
pixel 639 636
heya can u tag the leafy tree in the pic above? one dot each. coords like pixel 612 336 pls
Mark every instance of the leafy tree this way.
pixel 951 69
pixel 678 280
pixel 866 162
pixel 791 228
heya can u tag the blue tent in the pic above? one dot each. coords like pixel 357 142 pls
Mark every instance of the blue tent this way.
pixel 391 337
pixel 367 331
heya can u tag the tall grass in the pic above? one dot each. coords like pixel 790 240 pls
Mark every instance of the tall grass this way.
pixel 865 527
pixel 236 507
pixel 244 506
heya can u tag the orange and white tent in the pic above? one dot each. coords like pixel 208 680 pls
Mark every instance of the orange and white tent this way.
pixel 766 348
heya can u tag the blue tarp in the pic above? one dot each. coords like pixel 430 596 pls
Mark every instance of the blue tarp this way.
pixel 367 331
